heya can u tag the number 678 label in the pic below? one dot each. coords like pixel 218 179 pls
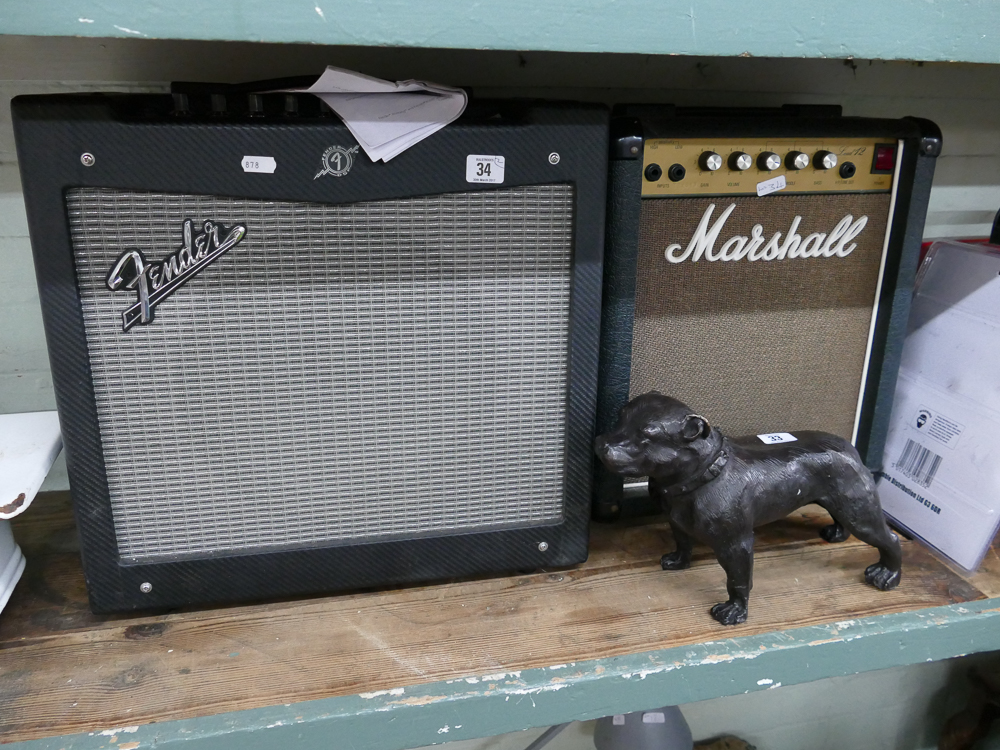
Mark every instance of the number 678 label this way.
pixel 479 168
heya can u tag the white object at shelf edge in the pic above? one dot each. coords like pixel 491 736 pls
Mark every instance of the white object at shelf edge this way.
pixel 11 563
pixel 29 444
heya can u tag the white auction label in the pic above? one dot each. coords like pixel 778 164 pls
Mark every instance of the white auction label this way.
pixel 479 168
pixel 771 186
pixel 618 720
pixel 262 164
pixel 772 438
pixel 654 717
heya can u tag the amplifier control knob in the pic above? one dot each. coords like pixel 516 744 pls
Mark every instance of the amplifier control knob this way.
pixel 739 161
pixel 768 161
pixel 797 160
pixel 710 161
pixel 218 105
pixel 255 105
pixel 825 160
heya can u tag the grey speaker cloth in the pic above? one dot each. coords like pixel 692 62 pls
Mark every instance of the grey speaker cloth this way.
pixel 345 372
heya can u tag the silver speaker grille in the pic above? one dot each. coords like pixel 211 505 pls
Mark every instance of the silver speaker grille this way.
pixel 345 372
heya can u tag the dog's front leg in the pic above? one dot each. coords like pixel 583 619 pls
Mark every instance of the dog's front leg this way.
pixel 736 559
pixel 680 558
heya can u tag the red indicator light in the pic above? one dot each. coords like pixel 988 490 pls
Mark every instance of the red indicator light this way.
pixel 885 158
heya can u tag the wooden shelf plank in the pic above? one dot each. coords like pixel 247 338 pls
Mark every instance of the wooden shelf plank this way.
pixel 949 30
pixel 611 635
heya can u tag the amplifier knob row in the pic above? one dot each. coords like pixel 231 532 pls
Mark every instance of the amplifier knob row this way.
pixel 768 161
pixel 252 105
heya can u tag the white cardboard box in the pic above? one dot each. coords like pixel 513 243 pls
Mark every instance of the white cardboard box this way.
pixel 941 469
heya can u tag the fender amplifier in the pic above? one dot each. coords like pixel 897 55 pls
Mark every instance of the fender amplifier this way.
pixel 759 267
pixel 282 368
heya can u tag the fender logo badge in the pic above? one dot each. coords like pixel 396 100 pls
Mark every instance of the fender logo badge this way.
pixel 154 282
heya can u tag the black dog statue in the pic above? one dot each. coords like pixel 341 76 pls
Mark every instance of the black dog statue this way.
pixel 717 490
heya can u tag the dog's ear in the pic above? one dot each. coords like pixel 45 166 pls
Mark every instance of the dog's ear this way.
pixel 695 426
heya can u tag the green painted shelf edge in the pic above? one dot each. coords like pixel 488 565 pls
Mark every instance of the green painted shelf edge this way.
pixel 941 30
pixel 486 705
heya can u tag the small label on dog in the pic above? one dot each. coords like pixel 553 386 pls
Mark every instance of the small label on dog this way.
pixel 772 438
pixel 771 186
pixel 618 720
pixel 653 717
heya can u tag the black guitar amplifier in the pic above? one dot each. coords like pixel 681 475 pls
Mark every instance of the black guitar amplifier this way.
pixel 282 368
pixel 759 265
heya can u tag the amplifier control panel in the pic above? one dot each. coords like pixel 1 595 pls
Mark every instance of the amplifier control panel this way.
pixel 760 166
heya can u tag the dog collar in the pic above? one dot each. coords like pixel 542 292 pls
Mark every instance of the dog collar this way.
pixel 713 470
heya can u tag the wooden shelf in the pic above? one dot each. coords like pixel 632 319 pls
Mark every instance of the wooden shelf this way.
pixel 949 30
pixel 472 658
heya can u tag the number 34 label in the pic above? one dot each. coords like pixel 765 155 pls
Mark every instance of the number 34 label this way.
pixel 479 168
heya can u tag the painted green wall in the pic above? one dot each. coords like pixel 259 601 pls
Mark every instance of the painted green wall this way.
pixel 905 29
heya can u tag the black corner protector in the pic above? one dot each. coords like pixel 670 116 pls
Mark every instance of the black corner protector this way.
pixel 930 146
pixel 626 138
pixel 627 147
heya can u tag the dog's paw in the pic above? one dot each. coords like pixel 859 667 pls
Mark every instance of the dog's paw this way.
pixel 730 613
pixel 881 577
pixel 675 561
pixel 834 533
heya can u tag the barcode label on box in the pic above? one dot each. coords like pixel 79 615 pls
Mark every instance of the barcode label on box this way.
pixel 918 463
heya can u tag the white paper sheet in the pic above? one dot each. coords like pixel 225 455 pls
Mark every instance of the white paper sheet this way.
pixel 387 118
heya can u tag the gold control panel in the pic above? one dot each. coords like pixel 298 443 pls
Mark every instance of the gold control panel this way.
pixel 743 166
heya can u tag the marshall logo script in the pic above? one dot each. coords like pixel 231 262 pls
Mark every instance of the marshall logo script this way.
pixel 154 282
pixel 757 247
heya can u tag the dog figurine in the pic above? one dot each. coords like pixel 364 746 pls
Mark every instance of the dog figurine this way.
pixel 716 489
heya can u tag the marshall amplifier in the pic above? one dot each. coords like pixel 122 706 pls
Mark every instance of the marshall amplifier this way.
pixel 282 368
pixel 759 266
